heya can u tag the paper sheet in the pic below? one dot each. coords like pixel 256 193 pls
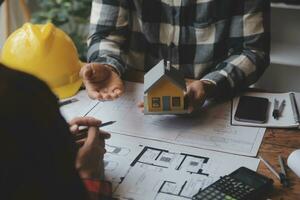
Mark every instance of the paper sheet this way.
pixel 79 108
pixel 286 120
pixel 211 129
pixel 145 169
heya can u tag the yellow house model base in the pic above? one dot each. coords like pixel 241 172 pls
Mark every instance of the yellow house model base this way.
pixel 166 113
pixel 171 112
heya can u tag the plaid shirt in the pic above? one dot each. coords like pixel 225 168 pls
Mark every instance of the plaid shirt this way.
pixel 224 41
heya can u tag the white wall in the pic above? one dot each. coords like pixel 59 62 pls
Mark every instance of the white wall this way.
pixel 283 74
pixel 280 78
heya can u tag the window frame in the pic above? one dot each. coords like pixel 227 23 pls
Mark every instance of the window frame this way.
pixel 177 100
pixel 153 103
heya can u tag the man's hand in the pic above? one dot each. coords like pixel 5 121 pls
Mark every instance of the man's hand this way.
pixel 89 162
pixel 101 81
pixel 197 92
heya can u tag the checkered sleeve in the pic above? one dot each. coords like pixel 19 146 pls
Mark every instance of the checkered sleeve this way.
pixel 249 48
pixel 108 30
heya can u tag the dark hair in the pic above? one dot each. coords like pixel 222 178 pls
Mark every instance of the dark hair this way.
pixel 36 151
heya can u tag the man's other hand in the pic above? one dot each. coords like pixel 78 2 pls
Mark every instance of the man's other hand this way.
pixel 101 81
pixel 197 92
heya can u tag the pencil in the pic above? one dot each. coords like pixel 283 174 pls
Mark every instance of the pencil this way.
pixel 283 176
pixel 83 132
pixel 268 165
pixel 63 103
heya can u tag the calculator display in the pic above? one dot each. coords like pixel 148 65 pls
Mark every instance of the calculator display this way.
pixel 250 179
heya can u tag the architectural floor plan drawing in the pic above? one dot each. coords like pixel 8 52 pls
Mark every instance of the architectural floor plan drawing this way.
pixel 79 108
pixel 209 129
pixel 144 169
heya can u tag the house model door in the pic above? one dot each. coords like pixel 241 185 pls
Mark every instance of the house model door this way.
pixel 166 103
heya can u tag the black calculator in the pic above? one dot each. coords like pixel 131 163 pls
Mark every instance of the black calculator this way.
pixel 242 184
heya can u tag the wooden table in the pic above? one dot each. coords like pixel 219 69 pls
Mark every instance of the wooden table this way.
pixel 276 142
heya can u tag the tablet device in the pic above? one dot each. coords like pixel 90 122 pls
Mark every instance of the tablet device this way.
pixel 252 109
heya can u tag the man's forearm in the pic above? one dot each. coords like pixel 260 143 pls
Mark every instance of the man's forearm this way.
pixel 236 75
pixel 108 27
pixel 249 53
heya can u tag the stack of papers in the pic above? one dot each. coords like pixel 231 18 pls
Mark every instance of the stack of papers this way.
pixel 210 129
pixel 163 157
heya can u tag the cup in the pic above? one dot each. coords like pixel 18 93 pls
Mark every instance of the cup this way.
pixel 294 162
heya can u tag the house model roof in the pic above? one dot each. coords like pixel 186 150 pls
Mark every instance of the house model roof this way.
pixel 158 72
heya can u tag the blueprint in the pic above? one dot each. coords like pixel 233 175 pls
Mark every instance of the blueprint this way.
pixel 79 108
pixel 147 169
pixel 209 129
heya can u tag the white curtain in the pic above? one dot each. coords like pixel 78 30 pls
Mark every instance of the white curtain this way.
pixel 17 18
pixel 2 26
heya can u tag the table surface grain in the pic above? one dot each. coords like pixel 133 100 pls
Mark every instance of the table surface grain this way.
pixel 280 142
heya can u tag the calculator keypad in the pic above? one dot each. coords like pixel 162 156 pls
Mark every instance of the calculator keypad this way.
pixel 226 188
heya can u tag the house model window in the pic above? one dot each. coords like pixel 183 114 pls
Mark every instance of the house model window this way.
pixel 156 102
pixel 164 89
pixel 176 101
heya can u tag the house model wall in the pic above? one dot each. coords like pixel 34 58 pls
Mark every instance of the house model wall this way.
pixel 164 88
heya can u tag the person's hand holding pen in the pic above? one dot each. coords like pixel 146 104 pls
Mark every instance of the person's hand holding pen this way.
pixel 89 161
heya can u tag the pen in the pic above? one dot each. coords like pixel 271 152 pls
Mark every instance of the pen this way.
pixel 275 109
pixel 269 167
pixel 83 132
pixel 281 107
pixel 63 103
pixel 283 177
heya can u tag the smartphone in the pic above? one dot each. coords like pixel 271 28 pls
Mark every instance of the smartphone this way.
pixel 252 109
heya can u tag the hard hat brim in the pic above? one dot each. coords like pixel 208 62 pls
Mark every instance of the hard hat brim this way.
pixel 68 90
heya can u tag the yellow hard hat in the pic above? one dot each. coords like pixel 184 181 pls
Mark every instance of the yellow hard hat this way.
pixel 47 53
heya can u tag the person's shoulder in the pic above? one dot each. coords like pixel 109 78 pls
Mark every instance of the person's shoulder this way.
pixel 14 79
pixel 17 85
pixel 8 74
